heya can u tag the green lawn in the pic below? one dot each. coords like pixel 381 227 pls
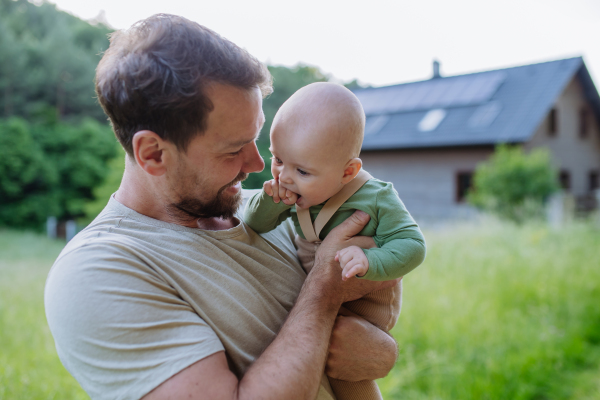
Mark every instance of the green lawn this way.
pixel 29 366
pixel 500 312
pixel 503 312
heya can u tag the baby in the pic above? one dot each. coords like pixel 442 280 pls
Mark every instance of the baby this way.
pixel 318 181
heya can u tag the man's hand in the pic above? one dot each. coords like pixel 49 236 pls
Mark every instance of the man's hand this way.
pixel 353 261
pixel 359 350
pixel 325 272
pixel 279 193
pixel 289 368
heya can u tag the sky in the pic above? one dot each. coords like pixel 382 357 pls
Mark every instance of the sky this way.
pixel 383 42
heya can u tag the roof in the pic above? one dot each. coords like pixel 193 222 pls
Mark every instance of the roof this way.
pixel 484 108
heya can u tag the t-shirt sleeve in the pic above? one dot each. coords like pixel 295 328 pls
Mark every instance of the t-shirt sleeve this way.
pixel 401 245
pixel 262 214
pixel 119 328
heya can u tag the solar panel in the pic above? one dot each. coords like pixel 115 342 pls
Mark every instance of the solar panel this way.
pixel 484 115
pixel 375 123
pixel 435 93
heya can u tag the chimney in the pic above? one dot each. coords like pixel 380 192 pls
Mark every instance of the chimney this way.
pixel 436 69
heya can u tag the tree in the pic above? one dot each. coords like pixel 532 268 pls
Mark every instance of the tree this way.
pixel 48 59
pixel 50 169
pixel 54 139
pixel 513 184
pixel 25 178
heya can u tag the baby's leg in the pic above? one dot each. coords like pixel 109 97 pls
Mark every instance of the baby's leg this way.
pixel 306 253
pixel 381 308
pixel 363 390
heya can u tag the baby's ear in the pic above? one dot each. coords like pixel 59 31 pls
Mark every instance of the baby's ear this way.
pixel 351 169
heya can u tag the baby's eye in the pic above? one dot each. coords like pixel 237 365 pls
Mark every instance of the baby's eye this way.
pixel 277 160
pixel 302 172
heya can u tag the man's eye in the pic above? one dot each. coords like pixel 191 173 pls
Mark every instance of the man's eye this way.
pixel 235 153
pixel 302 172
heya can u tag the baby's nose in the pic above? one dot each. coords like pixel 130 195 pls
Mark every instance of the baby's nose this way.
pixel 285 177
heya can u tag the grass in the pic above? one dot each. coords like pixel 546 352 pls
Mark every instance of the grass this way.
pixel 501 312
pixel 496 312
pixel 29 366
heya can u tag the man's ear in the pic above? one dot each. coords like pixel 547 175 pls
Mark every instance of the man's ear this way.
pixel 351 169
pixel 149 151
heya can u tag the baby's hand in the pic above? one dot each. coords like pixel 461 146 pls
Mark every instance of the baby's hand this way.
pixel 273 189
pixel 353 262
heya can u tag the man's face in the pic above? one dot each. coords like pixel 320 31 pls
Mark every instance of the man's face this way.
pixel 207 180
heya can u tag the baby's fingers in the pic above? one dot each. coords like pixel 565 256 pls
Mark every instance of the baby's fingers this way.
pixel 344 257
pixel 354 270
pixel 268 188
pixel 290 197
pixel 281 192
pixel 276 190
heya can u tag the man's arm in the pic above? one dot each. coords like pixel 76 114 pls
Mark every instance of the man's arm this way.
pixel 292 366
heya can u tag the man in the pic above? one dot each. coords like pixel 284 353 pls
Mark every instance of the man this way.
pixel 167 294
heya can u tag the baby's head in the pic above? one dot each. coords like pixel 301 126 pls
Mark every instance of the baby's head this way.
pixel 316 139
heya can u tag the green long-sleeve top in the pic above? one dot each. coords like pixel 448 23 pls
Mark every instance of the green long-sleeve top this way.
pixel 400 243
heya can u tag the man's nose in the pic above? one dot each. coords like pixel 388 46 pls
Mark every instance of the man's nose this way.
pixel 253 161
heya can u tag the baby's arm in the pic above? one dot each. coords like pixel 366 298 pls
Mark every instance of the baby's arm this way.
pixel 265 210
pixel 401 245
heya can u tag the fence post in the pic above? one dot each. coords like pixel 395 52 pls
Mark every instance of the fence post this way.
pixel 51 225
pixel 70 229
pixel 555 210
pixel 560 209
pixel 597 211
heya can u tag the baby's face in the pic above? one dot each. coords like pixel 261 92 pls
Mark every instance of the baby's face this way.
pixel 307 163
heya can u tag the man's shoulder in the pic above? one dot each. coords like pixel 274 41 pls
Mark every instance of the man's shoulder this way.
pixel 100 235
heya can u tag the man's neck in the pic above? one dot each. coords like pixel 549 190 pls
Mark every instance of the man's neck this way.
pixel 216 224
pixel 144 199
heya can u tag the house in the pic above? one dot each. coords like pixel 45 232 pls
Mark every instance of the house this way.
pixel 428 137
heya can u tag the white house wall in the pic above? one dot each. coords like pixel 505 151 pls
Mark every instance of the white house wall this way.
pixel 426 179
pixel 569 151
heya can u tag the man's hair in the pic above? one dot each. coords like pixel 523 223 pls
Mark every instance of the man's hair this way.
pixel 154 77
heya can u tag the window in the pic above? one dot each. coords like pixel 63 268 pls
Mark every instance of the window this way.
pixel 464 181
pixel 594 181
pixel 583 123
pixel 431 120
pixel 564 177
pixel 552 122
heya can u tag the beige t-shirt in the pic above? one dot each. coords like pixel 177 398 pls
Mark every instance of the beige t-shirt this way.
pixel 132 300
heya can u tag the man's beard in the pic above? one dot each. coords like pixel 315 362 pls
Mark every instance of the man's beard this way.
pixel 220 206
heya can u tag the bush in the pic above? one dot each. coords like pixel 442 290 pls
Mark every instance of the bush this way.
pixel 50 169
pixel 514 185
pixel 102 193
